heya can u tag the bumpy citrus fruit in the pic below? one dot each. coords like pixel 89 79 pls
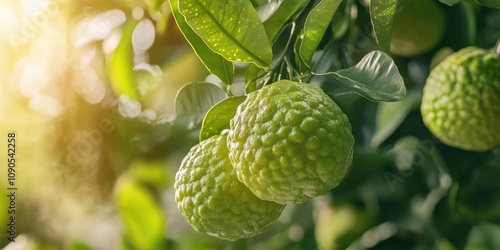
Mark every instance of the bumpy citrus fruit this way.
pixel 290 142
pixel 417 28
pixel 461 101
pixel 212 199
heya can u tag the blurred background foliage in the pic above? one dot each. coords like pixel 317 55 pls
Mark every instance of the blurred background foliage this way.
pixel 90 87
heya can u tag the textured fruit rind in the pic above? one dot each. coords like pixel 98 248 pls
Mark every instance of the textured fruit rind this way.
pixel 212 199
pixel 290 142
pixel 461 100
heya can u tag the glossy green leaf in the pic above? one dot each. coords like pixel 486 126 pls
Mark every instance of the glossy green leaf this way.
pixel 287 9
pixel 214 62
pixel 218 117
pixel 489 3
pixel 121 65
pixel 267 10
pixel 231 28
pixel 468 23
pixel 390 115
pixel 258 3
pixel 142 218
pixel 301 65
pixel 375 77
pixel 195 99
pixel 382 15
pixel 315 26
pixel 251 78
pixel 340 23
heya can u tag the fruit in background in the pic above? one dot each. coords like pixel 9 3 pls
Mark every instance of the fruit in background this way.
pixel 461 100
pixel 417 28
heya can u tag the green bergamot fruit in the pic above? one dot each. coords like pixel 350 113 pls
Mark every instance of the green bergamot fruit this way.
pixel 212 199
pixel 289 142
pixel 461 100
pixel 418 27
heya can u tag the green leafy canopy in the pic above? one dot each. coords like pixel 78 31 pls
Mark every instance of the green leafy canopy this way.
pixel 225 32
pixel 231 28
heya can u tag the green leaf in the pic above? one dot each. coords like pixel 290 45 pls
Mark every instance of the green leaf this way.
pixel 287 9
pixel 315 26
pixel 464 30
pixel 340 23
pixel 450 2
pixel 267 10
pixel 390 115
pixel 195 99
pixel 489 3
pixel 231 28
pixel 301 65
pixel 251 78
pixel 121 65
pixel 382 15
pixel 214 62
pixel 142 218
pixel 468 23
pixel 375 77
pixel 218 117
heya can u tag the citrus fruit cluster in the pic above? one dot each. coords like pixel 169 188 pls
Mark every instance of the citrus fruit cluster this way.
pixel 213 200
pixel 287 143
pixel 290 142
pixel 461 100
